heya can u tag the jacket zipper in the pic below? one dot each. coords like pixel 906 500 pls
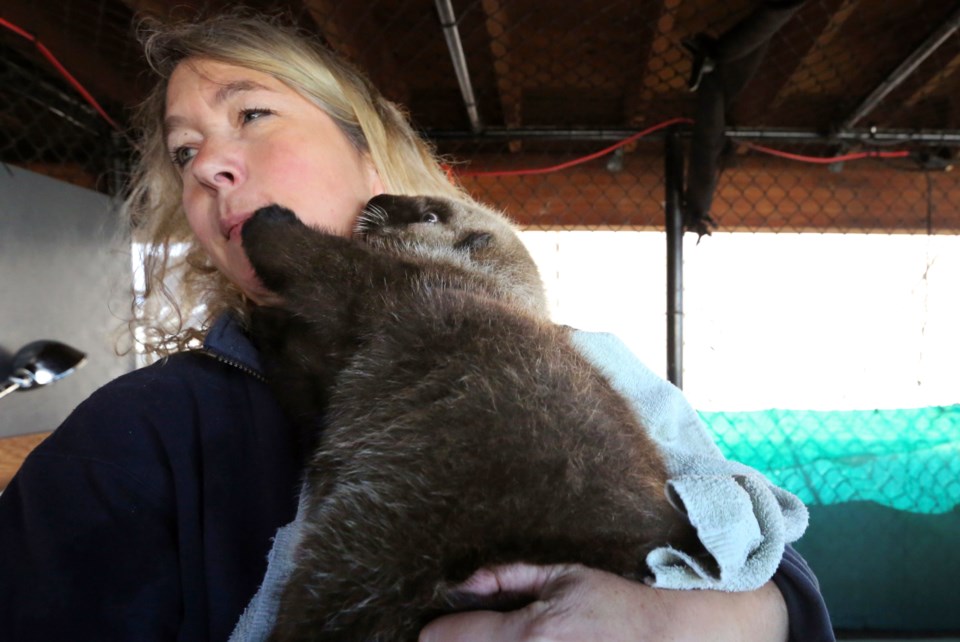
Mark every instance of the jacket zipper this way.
pixel 230 362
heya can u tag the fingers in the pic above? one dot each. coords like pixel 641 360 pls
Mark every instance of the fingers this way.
pixel 524 579
pixel 535 582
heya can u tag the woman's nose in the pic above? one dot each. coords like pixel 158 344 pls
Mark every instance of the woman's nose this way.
pixel 218 165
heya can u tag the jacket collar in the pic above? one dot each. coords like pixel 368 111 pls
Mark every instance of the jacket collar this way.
pixel 226 339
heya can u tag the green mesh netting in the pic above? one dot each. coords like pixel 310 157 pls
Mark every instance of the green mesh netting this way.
pixel 907 459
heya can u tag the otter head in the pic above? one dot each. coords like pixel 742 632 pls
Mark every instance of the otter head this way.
pixel 462 234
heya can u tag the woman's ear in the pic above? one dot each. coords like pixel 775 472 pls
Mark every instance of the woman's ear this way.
pixel 374 182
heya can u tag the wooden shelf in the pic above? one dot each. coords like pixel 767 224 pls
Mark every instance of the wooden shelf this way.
pixel 13 450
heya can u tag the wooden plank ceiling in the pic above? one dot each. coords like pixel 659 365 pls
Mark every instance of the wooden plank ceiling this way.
pixel 534 65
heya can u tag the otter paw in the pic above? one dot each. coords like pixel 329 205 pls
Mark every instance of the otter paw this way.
pixel 266 222
pixel 268 238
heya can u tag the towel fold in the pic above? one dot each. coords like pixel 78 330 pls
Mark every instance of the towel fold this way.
pixel 742 519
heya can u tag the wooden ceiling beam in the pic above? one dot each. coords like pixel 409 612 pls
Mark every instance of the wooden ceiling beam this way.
pixel 98 75
pixel 808 77
pixel 321 17
pixel 357 43
pixel 509 81
pixel 639 95
pixel 935 84
pixel 331 30
pixel 793 50
pixel 153 8
pixel 185 9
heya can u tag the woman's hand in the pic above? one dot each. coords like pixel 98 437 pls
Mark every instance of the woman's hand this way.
pixel 573 602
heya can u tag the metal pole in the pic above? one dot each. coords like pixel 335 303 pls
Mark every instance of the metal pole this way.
pixel 756 134
pixel 673 173
pixel 907 67
pixel 448 20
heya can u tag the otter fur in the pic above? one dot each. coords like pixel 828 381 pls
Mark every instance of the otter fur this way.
pixel 455 426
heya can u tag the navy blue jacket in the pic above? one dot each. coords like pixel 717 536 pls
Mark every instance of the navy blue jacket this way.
pixel 148 514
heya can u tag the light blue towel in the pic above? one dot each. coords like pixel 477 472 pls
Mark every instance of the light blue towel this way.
pixel 742 519
pixel 257 620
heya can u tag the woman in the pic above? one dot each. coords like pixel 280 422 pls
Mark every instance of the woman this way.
pixel 149 514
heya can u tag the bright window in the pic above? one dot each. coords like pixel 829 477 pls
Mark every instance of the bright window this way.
pixel 814 321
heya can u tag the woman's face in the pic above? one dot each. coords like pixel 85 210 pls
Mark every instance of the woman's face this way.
pixel 242 139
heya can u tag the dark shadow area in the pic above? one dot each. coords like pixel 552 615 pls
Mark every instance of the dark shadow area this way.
pixel 886 572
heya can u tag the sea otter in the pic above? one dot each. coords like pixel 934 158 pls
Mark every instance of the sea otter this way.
pixel 455 427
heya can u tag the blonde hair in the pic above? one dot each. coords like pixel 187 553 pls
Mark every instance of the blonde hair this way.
pixel 163 319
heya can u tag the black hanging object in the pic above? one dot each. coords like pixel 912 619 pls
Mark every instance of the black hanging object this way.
pixel 721 68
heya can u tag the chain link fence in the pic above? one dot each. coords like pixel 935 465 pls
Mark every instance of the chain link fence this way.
pixel 820 277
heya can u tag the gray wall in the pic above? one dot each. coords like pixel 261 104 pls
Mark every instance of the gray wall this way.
pixel 64 275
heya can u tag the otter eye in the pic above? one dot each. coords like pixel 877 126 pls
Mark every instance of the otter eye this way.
pixel 429 217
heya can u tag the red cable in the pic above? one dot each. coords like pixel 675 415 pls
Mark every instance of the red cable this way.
pixel 518 172
pixel 63 71
pixel 674 121
pixel 583 159
pixel 826 161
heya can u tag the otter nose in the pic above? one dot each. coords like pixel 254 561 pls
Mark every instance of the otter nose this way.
pixel 387 202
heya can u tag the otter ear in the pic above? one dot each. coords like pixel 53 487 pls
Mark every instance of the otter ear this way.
pixel 472 241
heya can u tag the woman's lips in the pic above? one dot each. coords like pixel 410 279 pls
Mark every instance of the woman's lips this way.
pixel 231 225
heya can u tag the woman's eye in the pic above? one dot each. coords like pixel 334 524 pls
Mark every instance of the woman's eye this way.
pixel 182 155
pixel 253 113
pixel 430 217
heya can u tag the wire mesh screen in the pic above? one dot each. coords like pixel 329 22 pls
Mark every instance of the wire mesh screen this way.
pixel 822 213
